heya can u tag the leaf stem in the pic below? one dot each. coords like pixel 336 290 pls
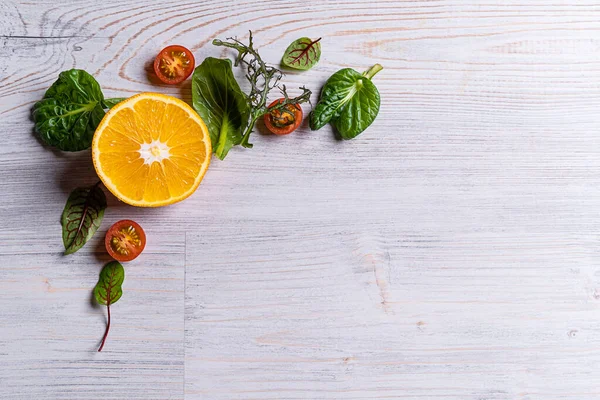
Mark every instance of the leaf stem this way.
pixel 372 71
pixel 246 136
pixel 107 329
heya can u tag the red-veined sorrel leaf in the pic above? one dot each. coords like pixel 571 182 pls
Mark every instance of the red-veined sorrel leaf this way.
pixel 303 54
pixel 108 290
pixel 82 216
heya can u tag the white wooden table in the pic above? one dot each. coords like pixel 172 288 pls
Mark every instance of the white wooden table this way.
pixel 450 252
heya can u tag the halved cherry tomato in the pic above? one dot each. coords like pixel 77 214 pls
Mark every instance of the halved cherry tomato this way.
pixel 282 122
pixel 125 240
pixel 174 64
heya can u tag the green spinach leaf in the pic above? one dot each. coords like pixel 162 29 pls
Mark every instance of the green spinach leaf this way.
pixel 82 216
pixel 218 99
pixel 303 54
pixel 349 100
pixel 70 111
pixel 108 290
pixel 110 103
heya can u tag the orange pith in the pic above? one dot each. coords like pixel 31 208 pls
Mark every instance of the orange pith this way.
pixel 151 150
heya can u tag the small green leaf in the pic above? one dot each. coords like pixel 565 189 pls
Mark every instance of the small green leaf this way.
pixel 302 54
pixel 70 111
pixel 110 103
pixel 108 289
pixel 82 216
pixel 218 99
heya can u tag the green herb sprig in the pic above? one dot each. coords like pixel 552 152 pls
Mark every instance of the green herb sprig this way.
pixel 262 78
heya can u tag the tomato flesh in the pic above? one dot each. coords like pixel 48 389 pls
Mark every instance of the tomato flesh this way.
pixel 125 240
pixel 283 122
pixel 174 64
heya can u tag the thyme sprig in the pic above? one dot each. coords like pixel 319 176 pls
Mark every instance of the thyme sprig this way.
pixel 262 78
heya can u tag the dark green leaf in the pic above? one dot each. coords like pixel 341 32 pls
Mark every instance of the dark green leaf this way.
pixel 70 111
pixel 82 216
pixel 218 99
pixel 303 54
pixel 110 103
pixel 108 289
pixel 349 100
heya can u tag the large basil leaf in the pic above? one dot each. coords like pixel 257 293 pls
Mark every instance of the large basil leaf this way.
pixel 70 111
pixel 218 99
pixel 349 100
pixel 82 216
pixel 303 54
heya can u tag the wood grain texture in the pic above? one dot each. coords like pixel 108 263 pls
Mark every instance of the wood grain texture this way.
pixel 449 252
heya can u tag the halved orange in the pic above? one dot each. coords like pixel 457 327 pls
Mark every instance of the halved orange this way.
pixel 151 150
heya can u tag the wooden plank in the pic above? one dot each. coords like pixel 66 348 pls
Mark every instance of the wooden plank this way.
pixel 50 325
pixel 448 252
pixel 318 310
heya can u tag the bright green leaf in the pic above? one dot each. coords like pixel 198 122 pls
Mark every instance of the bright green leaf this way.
pixel 349 100
pixel 218 99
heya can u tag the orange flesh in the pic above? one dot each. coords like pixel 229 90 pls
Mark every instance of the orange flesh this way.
pixel 151 150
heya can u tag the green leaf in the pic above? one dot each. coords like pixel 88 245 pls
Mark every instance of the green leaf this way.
pixel 108 289
pixel 110 103
pixel 218 99
pixel 349 100
pixel 303 54
pixel 82 216
pixel 70 111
